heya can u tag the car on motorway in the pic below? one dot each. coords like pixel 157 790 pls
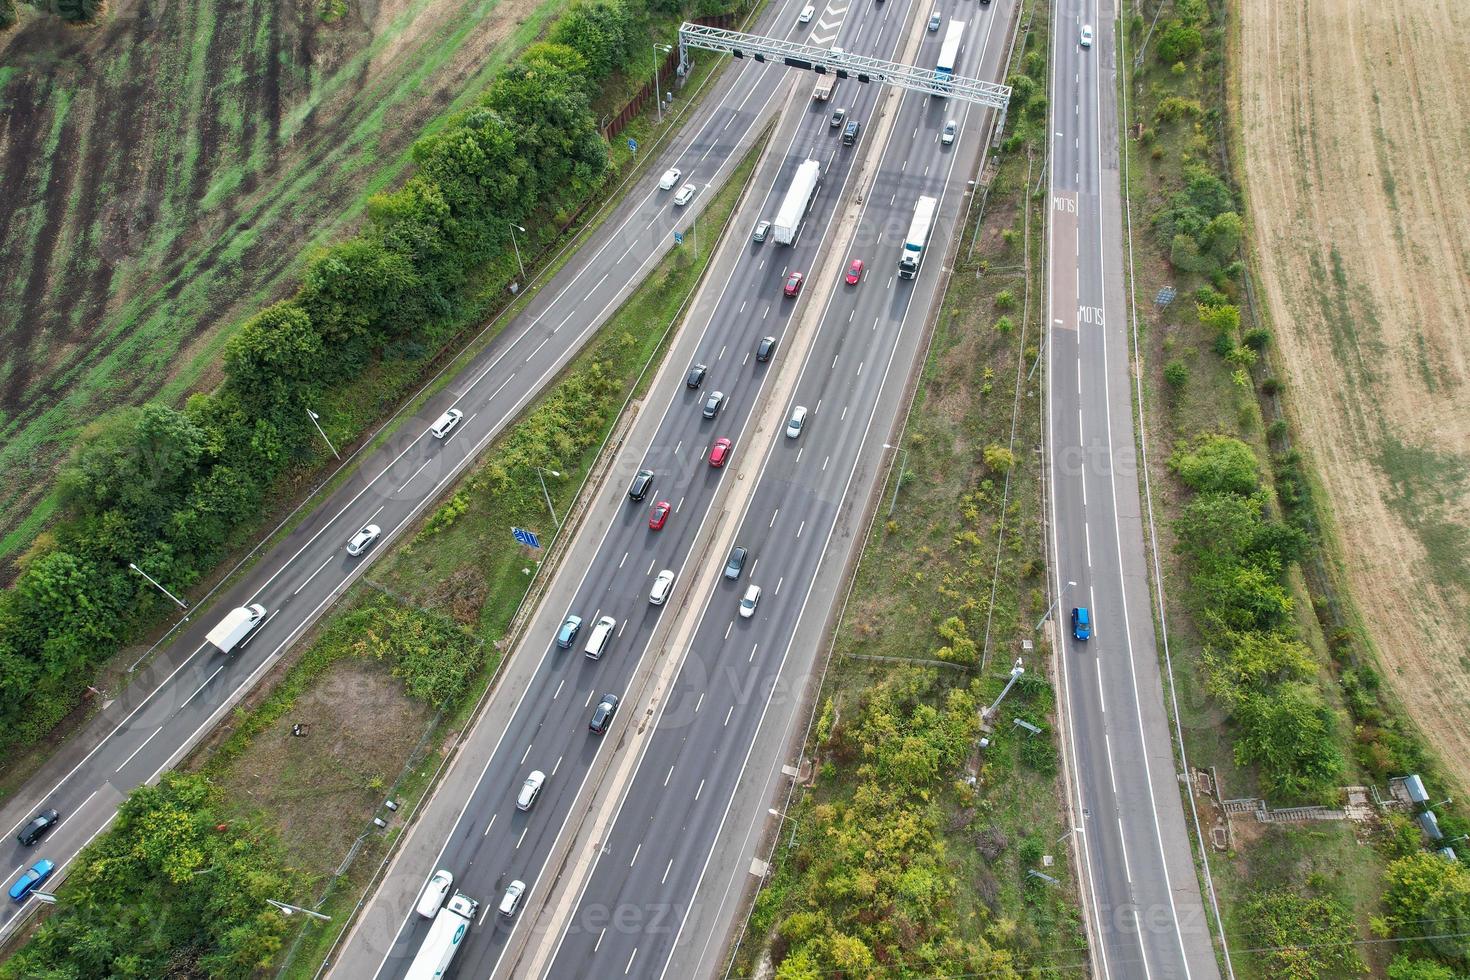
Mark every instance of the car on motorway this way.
pixel 530 789
pixel 659 515
pixel 720 453
pixel 749 601
pixel 512 899
pixel 363 539
pixel 567 635
pixel 642 483
pixel 951 129
pixel 735 563
pixel 662 586
pixel 855 272
pixel 839 116
pixel 695 377
pixel 602 715
pixel 31 879
pixel 806 14
pixel 669 179
pixel 1086 37
pixel 765 348
pixel 685 195
pixel 38 827
pixel 762 229
pixel 797 420
pixel 1081 623
pixel 935 19
pixel 713 404
pixel 597 642
pixel 445 423
pixel 793 283
pixel 436 890
pixel 850 134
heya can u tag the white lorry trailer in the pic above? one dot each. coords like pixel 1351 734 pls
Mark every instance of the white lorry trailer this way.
pixel 919 230
pixel 236 625
pixel 798 199
pixel 822 91
pixel 445 937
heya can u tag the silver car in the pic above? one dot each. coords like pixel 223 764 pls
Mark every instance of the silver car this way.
pixel 749 601
pixel 685 195
pixel 798 419
pixel 363 539
pixel 762 229
pixel 530 789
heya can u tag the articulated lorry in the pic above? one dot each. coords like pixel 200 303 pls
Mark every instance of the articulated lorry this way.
pixel 445 937
pixel 918 236
pixel 798 199
pixel 237 624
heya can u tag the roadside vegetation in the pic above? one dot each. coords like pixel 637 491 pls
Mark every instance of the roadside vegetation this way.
pixel 376 698
pixel 911 850
pixel 1279 696
pixel 175 488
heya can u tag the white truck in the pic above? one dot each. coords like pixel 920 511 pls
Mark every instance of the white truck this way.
pixel 445 937
pixel 822 91
pixel 798 199
pixel 918 237
pixel 236 625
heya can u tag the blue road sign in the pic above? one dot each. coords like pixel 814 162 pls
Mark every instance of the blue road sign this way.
pixel 527 538
pixel 633 145
pixel 678 238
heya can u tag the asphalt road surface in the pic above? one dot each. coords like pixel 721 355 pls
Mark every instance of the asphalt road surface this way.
pixel 187 687
pixel 1138 876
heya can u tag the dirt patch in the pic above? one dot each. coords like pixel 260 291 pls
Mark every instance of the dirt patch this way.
pixel 320 790
pixel 1356 159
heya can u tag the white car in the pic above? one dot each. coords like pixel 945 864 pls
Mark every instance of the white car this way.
pixel 685 195
pixel 530 789
pixel 435 892
pixel 362 539
pixel 1086 39
pixel 669 179
pixel 798 419
pixel 806 14
pixel 512 899
pixel 749 601
pixel 950 129
pixel 662 586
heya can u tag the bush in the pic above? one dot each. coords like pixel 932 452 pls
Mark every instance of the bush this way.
pixel 1217 463
pixel 1292 734
pixel 1005 325
pixel 1005 300
pixel 1257 339
pixel 1429 897
pixel 1301 937
pixel 1176 374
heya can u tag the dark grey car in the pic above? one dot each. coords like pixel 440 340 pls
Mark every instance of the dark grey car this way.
pixel 37 828
pixel 713 404
pixel 736 563
pixel 602 715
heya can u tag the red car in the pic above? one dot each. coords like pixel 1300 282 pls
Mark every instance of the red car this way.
pixel 855 272
pixel 659 515
pixel 793 283
pixel 719 453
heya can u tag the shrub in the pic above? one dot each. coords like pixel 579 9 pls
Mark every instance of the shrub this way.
pixel 1291 733
pixel 1005 325
pixel 1303 937
pixel 1176 374
pixel 1179 42
pixel 1428 896
pixel 1217 463
pixel 1257 338
pixel 1271 386
pixel 999 459
pixel 1005 300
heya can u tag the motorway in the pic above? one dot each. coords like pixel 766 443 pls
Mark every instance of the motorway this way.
pixel 184 690
pixel 1137 869
pixel 704 728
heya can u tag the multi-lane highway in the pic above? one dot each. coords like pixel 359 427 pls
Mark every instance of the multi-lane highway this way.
pixel 1138 875
pixel 188 687
pixel 659 859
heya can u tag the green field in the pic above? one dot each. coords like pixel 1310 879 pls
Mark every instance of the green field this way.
pixel 164 171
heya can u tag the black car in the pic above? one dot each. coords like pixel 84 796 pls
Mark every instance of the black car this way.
pixel 713 404
pixel 850 134
pixel 641 485
pixel 37 828
pixel 696 376
pixel 602 715
pixel 765 348
pixel 736 563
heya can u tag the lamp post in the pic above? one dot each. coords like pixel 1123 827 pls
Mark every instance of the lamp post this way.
pixel 547 495
pixel 658 98
pixel 902 459
pixel 513 229
pixel 292 909
pixel 1053 605
pixel 314 421
pixel 177 601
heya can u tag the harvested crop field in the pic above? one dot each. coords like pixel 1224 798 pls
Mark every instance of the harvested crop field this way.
pixel 1356 157
pixel 163 171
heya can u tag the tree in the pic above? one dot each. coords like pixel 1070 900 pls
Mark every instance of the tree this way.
pixel 1290 732
pixel 1429 897
pixel 1222 236
pixel 555 133
pixel 1254 658
pixel 1303 937
pixel 1222 318
pixel 1179 42
pixel 601 31
pixel 139 461
pixel 1407 968
pixel 1217 463
pixel 273 361
pixel 360 289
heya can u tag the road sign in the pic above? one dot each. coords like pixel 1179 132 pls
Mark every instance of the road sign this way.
pixel 678 238
pixel 527 538
pixel 633 145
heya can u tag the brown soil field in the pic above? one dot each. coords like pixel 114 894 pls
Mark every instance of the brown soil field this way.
pixel 1356 159
pixel 163 171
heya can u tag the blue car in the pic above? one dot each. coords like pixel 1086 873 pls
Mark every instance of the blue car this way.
pixel 28 882
pixel 567 635
pixel 1081 623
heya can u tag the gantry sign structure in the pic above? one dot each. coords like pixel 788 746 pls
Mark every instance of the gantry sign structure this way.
pixel 843 64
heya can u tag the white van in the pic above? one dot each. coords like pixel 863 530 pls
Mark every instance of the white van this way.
pixel 601 633
pixel 237 624
pixel 445 422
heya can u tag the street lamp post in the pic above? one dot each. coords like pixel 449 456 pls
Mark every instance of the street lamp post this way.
pixel 657 97
pixel 513 229
pixel 547 495
pixel 1053 605
pixel 902 459
pixel 314 421
pixel 292 909
pixel 177 601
